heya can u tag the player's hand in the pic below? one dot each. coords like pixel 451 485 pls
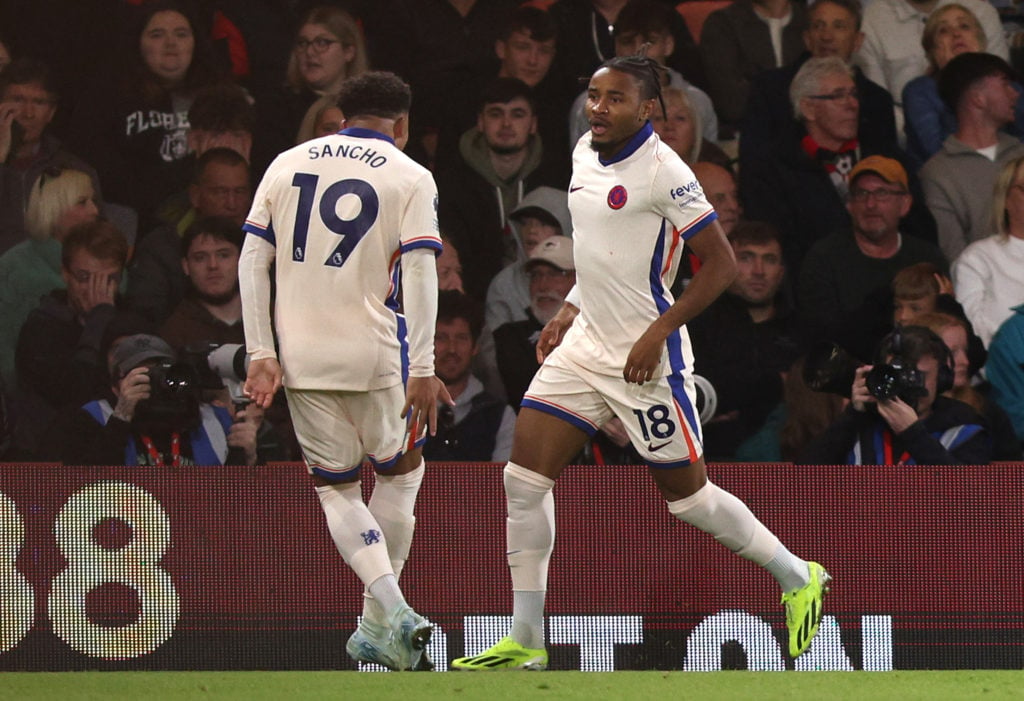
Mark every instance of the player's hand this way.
pixel 897 413
pixel 554 331
pixel 262 380
pixel 99 290
pixel 421 397
pixel 132 389
pixel 860 397
pixel 644 357
pixel 244 430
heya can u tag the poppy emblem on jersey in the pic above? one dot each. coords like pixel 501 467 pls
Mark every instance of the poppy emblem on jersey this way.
pixel 617 197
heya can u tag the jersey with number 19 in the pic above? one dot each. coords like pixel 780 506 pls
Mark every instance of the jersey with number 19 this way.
pixel 340 210
pixel 630 218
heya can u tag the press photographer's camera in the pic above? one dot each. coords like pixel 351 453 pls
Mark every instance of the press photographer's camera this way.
pixel 895 379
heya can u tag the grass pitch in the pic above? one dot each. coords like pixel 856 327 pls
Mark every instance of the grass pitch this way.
pixel 452 686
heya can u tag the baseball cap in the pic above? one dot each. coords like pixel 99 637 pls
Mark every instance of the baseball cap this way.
pixel 554 250
pixel 888 169
pixel 134 350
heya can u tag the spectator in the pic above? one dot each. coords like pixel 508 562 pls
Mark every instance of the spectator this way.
pixel 220 117
pixel 211 311
pixel 719 185
pixel 650 22
pixel 439 47
pixel 137 123
pixel 801 187
pixel 987 274
pixel 744 39
pixel 958 180
pixel 955 333
pixel 834 29
pixel 551 274
pixel 153 417
pixel 922 289
pixel 28 104
pixel 59 200
pixel 746 340
pixel 525 50
pixel 220 188
pixel 1005 368
pixel 918 425
pixel 951 30
pixel 679 126
pixel 543 213
pixel 5 54
pixel 844 292
pixel 328 48
pixel 587 36
pixel 449 267
pixel 891 54
pixel 479 427
pixel 323 118
pixel 500 159
pixel 59 360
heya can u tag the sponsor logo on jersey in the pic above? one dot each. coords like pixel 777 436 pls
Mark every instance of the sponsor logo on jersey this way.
pixel 690 189
pixel 617 197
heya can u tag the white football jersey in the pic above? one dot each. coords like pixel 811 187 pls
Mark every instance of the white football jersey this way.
pixel 631 217
pixel 340 210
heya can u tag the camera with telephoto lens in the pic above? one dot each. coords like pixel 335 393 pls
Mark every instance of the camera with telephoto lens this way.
pixel 219 366
pixel 830 368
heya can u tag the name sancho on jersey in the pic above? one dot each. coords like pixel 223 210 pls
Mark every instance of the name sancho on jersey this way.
pixel 357 152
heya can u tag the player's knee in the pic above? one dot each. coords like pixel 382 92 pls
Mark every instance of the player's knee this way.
pixel 525 487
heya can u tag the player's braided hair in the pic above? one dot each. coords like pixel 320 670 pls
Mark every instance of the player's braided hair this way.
pixel 646 71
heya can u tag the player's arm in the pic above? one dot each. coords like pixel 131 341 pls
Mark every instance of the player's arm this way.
pixel 553 331
pixel 716 273
pixel 264 375
pixel 419 296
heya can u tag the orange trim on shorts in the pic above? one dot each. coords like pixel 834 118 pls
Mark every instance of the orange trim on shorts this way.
pixel 687 430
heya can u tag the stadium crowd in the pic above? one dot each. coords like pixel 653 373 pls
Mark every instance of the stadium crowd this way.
pixel 864 159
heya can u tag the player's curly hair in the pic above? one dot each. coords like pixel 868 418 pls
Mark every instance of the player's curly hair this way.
pixel 646 72
pixel 375 94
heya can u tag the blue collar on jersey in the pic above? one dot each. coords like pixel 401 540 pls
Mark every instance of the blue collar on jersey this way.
pixel 364 133
pixel 631 146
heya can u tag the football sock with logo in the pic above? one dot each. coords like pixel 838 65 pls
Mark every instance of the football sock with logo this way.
pixel 392 504
pixel 530 535
pixel 716 511
pixel 355 531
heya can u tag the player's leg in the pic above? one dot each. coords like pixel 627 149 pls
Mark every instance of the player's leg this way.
pixel 334 456
pixel 666 432
pixel 548 435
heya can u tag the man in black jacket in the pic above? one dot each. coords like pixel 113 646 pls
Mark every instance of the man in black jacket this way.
pixel 912 426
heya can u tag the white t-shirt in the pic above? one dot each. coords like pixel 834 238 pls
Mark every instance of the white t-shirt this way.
pixel 340 210
pixel 630 218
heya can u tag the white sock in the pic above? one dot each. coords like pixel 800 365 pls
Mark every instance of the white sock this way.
pixel 386 595
pixel 355 532
pixel 392 504
pixel 716 511
pixel 530 538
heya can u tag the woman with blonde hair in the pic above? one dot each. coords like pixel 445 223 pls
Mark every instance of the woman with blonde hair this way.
pixel 987 275
pixel 950 31
pixel 59 201
pixel 680 127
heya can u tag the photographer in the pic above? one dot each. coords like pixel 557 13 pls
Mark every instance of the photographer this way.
pixel 155 416
pixel 896 416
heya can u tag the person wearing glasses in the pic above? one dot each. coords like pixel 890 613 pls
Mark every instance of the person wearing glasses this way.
pixel 958 180
pixel 328 48
pixel 801 186
pixel 844 292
